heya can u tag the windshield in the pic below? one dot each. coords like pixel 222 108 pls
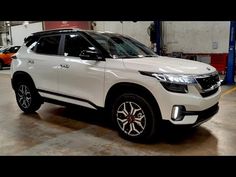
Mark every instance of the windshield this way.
pixel 119 46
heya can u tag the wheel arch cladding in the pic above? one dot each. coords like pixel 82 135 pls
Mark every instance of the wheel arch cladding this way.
pixel 21 76
pixel 126 87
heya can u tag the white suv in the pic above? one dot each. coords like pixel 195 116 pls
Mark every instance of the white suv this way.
pixel 116 72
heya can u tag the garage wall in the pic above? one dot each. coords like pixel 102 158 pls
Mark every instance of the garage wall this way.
pixel 196 37
pixel 19 32
pixel 179 36
pixel 4 39
pixel 137 30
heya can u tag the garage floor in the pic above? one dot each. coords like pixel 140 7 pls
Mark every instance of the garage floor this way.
pixel 57 130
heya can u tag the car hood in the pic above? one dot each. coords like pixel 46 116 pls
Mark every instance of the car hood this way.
pixel 168 65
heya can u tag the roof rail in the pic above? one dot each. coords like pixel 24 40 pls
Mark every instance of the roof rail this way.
pixel 59 30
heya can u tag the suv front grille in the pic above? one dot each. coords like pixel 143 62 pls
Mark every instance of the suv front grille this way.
pixel 208 85
pixel 208 82
pixel 206 94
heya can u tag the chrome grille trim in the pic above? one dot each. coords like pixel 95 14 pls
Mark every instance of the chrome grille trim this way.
pixel 212 82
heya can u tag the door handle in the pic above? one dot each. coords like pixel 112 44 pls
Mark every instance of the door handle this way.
pixel 64 65
pixel 31 61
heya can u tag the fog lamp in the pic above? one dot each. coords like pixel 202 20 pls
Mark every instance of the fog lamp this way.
pixel 177 113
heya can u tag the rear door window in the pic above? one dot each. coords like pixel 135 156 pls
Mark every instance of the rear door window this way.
pixel 75 44
pixel 48 45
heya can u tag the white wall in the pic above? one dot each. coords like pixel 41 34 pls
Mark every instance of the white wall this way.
pixel 179 36
pixel 19 32
pixel 4 39
pixel 197 37
pixel 137 30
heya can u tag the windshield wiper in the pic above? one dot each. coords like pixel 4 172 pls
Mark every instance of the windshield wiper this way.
pixel 136 56
pixel 129 57
pixel 150 55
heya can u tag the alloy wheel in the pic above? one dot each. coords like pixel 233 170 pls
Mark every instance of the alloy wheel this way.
pixel 131 118
pixel 24 96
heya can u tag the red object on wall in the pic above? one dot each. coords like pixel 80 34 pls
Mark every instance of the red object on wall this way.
pixel 219 61
pixel 48 25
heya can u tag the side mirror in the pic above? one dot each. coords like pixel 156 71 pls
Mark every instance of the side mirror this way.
pixel 90 55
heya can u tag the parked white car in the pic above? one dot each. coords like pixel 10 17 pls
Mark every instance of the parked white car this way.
pixel 115 72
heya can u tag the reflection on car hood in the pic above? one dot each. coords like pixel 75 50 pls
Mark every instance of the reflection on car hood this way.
pixel 168 65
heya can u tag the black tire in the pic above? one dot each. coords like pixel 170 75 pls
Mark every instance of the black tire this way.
pixel 146 129
pixel 27 97
pixel 1 65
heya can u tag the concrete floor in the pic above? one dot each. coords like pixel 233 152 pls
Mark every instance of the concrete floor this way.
pixel 57 130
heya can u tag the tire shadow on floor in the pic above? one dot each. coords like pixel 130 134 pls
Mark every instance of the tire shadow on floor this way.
pixel 76 113
pixel 179 135
pixel 72 115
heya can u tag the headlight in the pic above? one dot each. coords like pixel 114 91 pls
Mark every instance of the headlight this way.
pixel 171 82
pixel 177 79
pixel 178 88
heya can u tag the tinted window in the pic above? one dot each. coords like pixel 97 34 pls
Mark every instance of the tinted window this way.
pixel 30 40
pixel 48 45
pixel 74 44
pixel 14 49
pixel 119 46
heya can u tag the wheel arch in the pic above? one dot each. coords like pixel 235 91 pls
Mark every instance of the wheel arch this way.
pixel 2 61
pixel 126 87
pixel 21 75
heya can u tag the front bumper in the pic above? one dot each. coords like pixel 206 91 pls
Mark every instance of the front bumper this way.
pixel 202 116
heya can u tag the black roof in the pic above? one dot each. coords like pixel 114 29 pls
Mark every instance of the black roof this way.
pixel 68 30
pixel 56 31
